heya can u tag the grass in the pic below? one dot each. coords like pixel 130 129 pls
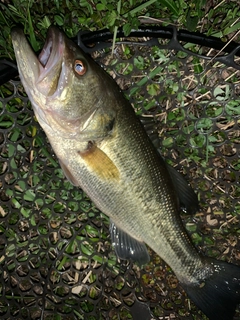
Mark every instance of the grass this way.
pixel 221 19
pixel 53 227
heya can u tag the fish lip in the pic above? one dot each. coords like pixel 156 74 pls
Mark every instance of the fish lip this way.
pixel 51 56
pixel 45 71
pixel 53 47
pixel 45 53
pixel 24 57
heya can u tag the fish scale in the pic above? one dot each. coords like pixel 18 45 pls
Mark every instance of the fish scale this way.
pixel 150 193
pixel 103 148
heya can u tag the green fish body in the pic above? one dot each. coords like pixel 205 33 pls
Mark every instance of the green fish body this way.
pixel 103 148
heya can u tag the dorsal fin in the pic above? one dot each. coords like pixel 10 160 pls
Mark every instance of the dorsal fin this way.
pixel 187 197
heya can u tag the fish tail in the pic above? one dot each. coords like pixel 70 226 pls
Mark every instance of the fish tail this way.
pixel 219 293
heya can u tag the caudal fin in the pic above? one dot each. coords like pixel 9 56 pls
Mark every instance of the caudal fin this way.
pixel 219 294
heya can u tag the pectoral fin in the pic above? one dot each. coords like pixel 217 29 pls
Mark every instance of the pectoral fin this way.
pixel 127 247
pixel 100 163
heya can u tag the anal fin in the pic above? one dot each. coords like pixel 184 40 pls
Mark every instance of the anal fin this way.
pixel 127 247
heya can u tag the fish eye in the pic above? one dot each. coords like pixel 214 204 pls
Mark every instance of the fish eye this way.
pixel 80 67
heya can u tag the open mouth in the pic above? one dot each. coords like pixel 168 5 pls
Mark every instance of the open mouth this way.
pixel 53 48
pixel 46 52
pixel 47 73
pixel 51 55
pixel 51 67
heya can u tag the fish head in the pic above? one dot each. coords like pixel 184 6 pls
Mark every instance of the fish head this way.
pixel 65 86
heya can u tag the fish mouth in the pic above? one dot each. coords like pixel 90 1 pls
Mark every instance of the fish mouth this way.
pixel 51 60
pixel 49 49
pixel 46 72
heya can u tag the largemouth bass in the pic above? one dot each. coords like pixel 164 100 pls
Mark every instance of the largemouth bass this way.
pixel 103 148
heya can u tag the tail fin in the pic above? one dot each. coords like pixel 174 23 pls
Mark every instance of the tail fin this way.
pixel 219 294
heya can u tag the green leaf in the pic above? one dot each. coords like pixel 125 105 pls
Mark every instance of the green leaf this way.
pixel 11 150
pixel 144 80
pixel 62 262
pixel 111 18
pixel 33 40
pixel 198 68
pixel 168 142
pixel 16 204
pixel 29 195
pixel 22 184
pixel 59 20
pixel 100 7
pixel 153 89
pixel 218 91
pixel 140 8
pixel 85 249
pixel 171 5
pixel 191 22
pixel 139 62
pixel 127 29
pixel 231 29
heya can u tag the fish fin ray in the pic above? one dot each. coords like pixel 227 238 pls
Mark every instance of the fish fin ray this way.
pixel 68 174
pixel 219 296
pixel 150 127
pixel 127 247
pixel 186 196
pixel 99 162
